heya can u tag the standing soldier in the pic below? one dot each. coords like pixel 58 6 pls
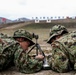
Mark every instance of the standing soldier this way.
pixel 23 61
pixel 63 44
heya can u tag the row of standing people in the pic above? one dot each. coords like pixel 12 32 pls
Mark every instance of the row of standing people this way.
pixel 14 51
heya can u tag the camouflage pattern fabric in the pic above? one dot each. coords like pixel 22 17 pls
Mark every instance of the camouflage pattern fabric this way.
pixel 64 53
pixel 58 28
pixel 6 53
pixel 25 34
pixel 25 63
pixel 55 31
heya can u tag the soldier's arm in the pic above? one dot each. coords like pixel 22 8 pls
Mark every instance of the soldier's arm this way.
pixel 2 41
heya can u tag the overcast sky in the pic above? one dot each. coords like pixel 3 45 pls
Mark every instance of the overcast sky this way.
pixel 13 9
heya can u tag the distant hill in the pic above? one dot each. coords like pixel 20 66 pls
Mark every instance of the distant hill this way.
pixel 4 20
pixel 21 19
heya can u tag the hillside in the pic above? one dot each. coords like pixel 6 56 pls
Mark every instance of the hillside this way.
pixel 21 19
pixel 49 25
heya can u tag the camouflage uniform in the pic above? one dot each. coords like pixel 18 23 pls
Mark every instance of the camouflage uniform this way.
pixel 63 50
pixel 22 60
pixel 7 50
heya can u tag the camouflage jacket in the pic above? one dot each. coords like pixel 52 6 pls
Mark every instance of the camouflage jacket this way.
pixel 6 53
pixel 26 64
pixel 64 53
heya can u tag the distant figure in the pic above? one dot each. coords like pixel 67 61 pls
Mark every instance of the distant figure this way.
pixel 63 45
pixel 25 63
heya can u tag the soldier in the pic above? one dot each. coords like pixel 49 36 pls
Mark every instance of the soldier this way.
pixel 7 49
pixel 23 61
pixel 63 45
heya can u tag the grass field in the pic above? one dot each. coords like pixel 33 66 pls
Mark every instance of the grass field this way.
pixel 43 31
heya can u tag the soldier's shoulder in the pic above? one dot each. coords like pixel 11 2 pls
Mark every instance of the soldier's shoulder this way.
pixel 63 38
pixel 72 34
pixel 68 39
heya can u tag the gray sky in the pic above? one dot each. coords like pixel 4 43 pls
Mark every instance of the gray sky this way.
pixel 13 9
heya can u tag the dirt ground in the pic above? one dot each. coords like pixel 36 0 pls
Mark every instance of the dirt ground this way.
pixel 12 71
pixel 44 35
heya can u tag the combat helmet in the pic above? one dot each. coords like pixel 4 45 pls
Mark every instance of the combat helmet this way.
pixel 23 33
pixel 57 30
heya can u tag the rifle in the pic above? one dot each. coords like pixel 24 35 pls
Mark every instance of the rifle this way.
pixel 38 48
